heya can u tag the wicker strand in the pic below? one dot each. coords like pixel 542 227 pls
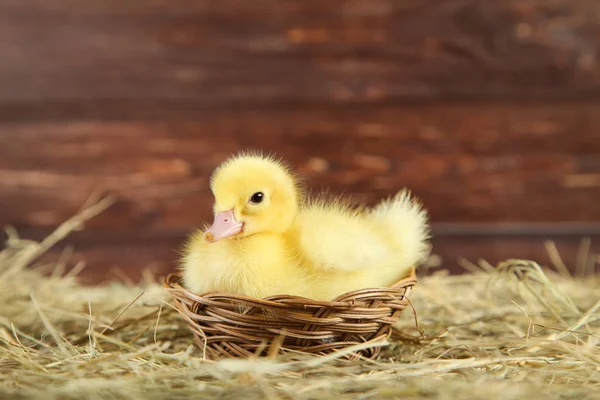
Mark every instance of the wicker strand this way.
pixel 227 325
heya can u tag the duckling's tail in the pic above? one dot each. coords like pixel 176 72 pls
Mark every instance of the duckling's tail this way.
pixel 407 223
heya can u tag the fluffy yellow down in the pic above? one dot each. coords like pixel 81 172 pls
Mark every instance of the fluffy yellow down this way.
pixel 289 244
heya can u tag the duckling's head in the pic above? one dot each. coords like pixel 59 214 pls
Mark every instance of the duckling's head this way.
pixel 253 194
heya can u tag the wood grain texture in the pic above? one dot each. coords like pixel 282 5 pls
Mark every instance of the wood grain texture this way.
pixel 470 163
pixel 488 110
pixel 274 53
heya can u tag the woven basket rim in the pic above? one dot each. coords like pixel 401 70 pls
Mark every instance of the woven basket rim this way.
pixel 226 324
pixel 173 283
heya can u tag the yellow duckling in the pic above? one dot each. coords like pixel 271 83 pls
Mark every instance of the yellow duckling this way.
pixel 269 239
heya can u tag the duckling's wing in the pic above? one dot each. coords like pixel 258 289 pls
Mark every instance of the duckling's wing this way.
pixel 396 231
pixel 330 236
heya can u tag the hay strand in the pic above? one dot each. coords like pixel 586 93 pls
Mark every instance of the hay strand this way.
pixel 482 333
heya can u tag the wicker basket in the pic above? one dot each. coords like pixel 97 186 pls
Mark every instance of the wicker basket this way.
pixel 227 325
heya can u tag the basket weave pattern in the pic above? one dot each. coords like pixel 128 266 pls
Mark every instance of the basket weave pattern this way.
pixel 227 325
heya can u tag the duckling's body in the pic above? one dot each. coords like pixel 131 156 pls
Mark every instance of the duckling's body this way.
pixel 286 244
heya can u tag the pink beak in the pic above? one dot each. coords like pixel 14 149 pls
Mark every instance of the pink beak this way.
pixel 223 227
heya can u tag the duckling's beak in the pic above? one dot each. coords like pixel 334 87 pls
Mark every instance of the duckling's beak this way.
pixel 224 226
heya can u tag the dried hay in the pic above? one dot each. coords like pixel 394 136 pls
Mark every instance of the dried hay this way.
pixel 507 332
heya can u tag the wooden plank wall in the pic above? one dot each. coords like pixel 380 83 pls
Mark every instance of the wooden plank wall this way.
pixel 488 110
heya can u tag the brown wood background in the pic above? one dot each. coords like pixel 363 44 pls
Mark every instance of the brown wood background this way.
pixel 488 110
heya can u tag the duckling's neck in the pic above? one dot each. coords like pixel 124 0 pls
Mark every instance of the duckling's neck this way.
pixel 263 242
pixel 253 237
pixel 261 251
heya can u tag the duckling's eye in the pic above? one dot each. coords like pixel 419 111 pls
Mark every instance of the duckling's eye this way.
pixel 257 198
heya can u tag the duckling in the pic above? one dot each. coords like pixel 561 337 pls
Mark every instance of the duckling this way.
pixel 270 238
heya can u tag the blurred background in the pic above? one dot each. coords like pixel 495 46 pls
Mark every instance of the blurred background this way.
pixel 488 110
